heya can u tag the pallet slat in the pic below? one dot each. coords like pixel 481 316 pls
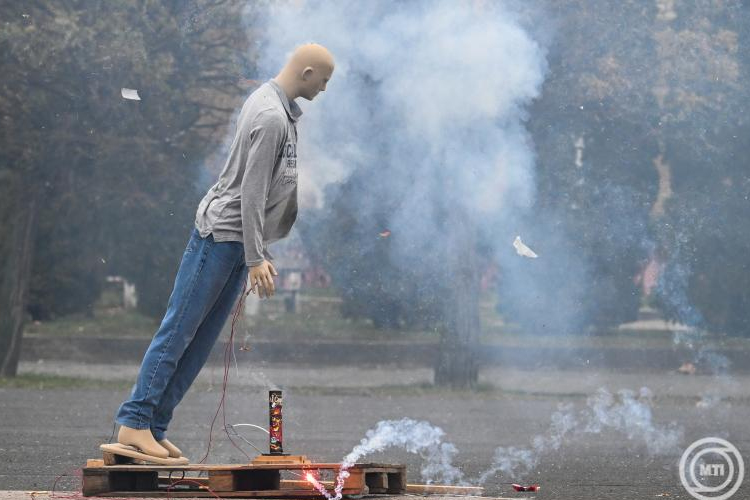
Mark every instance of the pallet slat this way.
pixel 207 467
pixel 307 494
pixel 234 480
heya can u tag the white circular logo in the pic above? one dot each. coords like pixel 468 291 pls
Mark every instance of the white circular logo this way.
pixel 712 469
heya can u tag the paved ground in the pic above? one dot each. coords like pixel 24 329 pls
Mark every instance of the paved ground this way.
pixel 545 382
pixel 46 495
pixel 45 433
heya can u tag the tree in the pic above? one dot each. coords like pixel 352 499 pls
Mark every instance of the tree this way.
pixel 702 228
pixel 100 180
pixel 628 118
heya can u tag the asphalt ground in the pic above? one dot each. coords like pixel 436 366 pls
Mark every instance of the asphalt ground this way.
pixel 48 432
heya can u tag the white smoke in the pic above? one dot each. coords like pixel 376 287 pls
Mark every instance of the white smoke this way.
pixel 438 86
pixel 413 436
pixel 631 414
pixel 418 437
pixel 627 413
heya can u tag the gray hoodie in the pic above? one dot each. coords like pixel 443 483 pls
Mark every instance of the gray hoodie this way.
pixel 255 199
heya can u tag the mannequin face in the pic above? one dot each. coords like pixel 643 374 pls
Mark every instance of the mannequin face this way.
pixel 314 80
pixel 306 72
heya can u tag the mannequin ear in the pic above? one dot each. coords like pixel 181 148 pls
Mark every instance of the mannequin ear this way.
pixel 307 73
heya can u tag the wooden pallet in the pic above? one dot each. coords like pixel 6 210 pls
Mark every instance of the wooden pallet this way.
pixel 241 481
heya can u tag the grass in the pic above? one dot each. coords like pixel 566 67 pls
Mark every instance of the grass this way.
pixel 106 322
pixel 496 332
pixel 318 317
pixel 56 382
pixel 610 339
pixel 52 382
pixel 310 324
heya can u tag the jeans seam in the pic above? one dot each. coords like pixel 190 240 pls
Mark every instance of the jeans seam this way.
pixel 171 334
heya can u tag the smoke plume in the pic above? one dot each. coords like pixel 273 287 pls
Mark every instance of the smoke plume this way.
pixel 627 412
pixel 435 87
pixel 413 436
pixel 418 437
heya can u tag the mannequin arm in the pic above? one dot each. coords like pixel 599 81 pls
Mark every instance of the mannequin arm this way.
pixel 266 138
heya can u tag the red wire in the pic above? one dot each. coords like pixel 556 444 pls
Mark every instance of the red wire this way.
pixel 171 485
pixel 76 494
pixel 227 364
pixel 222 407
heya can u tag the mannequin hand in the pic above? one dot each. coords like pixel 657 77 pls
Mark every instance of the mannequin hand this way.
pixel 261 276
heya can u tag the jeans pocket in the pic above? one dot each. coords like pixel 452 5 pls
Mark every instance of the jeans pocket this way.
pixel 228 252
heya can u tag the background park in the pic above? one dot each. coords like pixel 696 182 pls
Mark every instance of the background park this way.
pixel 612 137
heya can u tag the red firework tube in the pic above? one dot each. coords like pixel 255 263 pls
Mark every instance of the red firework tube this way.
pixel 275 434
pixel 518 487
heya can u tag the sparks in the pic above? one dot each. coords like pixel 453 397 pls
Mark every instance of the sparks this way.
pixel 316 484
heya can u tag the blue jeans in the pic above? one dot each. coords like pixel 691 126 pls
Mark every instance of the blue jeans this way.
pixel 210 279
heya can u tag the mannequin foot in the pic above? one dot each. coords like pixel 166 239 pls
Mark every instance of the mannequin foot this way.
pixel 174 451
pixel 143 440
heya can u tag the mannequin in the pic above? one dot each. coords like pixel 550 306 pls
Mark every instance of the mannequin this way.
pixel 227 250
pixel 306 74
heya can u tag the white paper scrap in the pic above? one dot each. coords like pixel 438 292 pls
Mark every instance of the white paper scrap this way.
pixel 130 94
pixel 522 249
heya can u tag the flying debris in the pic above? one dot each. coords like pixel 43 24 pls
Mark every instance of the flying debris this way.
pixel 708 401
pixel 245 344
pixel 522 249
pixel 384 234
pixel 533 487
pixel 131 94
pixel 687 368
pixel 248 81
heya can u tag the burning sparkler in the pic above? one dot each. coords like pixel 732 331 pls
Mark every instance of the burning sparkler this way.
pixel 322 489
pixel 311 479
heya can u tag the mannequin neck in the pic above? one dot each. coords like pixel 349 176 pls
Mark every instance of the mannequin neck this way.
pixel 288 85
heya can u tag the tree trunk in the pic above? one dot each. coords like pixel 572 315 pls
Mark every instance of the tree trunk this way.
pixel 457 363
pixel 14 282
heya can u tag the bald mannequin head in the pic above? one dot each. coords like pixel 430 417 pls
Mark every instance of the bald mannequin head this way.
pixel 306 72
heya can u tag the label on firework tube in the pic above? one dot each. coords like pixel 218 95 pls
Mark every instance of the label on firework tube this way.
pixel 275 430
